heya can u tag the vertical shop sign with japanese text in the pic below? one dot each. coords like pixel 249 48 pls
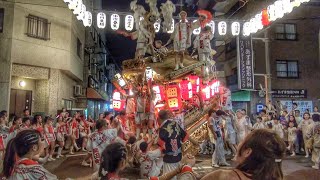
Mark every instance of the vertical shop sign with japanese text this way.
pixel 245 63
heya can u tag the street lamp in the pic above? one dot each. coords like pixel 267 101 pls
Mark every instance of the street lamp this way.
pixel 22 83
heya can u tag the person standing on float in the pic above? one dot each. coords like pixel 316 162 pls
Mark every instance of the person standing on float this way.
pixel 182 37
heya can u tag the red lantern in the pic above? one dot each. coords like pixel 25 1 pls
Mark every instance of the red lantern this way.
pixel 206 93
pixel 195 82
pixel 186 89
pixel 174 97
pixel 265 17
pixel 159 92
pixel 214 87
pixel 117 103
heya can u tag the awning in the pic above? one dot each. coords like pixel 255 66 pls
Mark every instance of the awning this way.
pixel 241 96
pixel 95 95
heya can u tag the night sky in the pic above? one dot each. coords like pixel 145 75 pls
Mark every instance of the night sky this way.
pixel 123 48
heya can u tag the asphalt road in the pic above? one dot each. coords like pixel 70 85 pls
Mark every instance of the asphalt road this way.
pixel 295 168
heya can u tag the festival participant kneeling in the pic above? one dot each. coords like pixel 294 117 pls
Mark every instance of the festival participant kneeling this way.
pixel 113 161
pixel 259 156
pixel 150 161
pixel 18 163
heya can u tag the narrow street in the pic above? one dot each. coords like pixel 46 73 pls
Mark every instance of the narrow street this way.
pixel 295 168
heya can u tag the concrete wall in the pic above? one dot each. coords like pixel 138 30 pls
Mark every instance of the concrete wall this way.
pixel 60 52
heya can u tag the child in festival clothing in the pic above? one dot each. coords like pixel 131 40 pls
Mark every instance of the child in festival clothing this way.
pixel 160 51
pixel 259 124
pixel 21 151
pixel 73 131
pixel 17 122
pixel 84 127
pixel 277 127
pixel 316 147
pixel 292 136
pixel 61 131
pixel 150 161
pixel 51 137
pixel 26 123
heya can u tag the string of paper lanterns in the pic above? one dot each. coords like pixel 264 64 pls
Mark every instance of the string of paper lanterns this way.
pixel 256 23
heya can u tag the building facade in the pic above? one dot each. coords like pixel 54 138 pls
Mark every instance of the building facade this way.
pixel 294 62
pixel 41 56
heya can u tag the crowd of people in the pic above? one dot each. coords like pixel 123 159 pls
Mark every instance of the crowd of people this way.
pixel 112 143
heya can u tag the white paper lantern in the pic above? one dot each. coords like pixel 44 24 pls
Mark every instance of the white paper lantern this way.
pixel 172 27
pixel 296 3
pixel 81 15
pixel 129 22
pixel 246 29
pixel 272 12
pixel 78 8
pixel 279 10
pixel 258 22
pixel 235 28
pixel 101 20
pixel 72 4
pixel 87 22
pixel 156 26
pixel 196 31
pixel 212 25
pixel 222 28
pixel 149 73
pixel 288 6
pixel 253 27
pixel 115 22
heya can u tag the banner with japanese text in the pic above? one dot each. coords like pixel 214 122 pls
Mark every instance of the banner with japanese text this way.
pixel 245 63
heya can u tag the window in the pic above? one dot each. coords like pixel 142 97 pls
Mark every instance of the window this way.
pixel 65 103
pixel 287 69
pixel 79 48
pixel 38 27
pixel 1 19
pixel 286 32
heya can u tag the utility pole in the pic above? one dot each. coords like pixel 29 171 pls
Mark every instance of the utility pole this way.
pixel 267 75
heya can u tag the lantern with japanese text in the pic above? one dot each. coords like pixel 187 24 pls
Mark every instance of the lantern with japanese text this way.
pixel 87 22
pixel 212 25
pixel 101 20
pixel 117 103
pixel 72 4
pixel 129 22
pixel 149 73
pixel 279 9
pixel 258 21
pixel 235 28
pixel 246 30
pixel 265 17
pixel 215 85
pixel 81 15
pixel 115 22
pixel 197 30
pixel 253 27
pixel 272 12
pixel 172 27
pixel 66 1
pixel 186 89
pixel 195 82
pixel 173 96
pixel 78 7
pixel 205 92
pixel 159 92
pixel 287 6
pixel 222 28
pixel 157 26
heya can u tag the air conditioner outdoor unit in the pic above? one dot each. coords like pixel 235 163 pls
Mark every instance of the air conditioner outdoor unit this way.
pixel 77 90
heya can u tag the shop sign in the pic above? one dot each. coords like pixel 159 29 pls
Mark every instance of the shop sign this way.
pixel 289 93
pixel 245 63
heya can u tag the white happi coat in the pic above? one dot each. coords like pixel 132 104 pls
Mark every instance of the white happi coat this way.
pixel 98 141
pixel 182 35
pixel 202 42
pixel 150 163
pixel 30 171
